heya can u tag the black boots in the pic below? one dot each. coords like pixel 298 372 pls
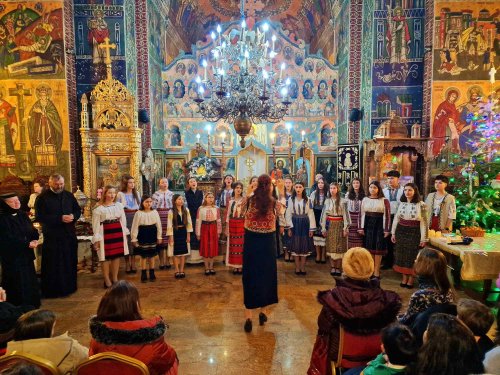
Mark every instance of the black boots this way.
pixel 144 276
pixel 152 276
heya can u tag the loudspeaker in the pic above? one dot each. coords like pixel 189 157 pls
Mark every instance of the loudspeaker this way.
pixel 143 116
pixel 356 114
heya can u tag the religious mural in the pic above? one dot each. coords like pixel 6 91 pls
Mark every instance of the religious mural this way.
pixel 466 47
pixel 397 71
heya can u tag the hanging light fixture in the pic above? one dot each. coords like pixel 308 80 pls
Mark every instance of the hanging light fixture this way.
pixel 246 87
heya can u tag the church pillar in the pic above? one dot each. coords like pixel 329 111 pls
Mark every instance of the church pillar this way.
pixel 427 89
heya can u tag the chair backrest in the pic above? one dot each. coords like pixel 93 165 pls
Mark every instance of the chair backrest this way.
pixel 357 350
pixel 110 363
pixel 47 367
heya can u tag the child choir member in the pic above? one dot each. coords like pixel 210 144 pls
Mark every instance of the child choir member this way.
pixel 37 189
pixel 179 229
pixel 110 234
pixel 146 234
pixel 235 220
pixel 162 202
pixel 301 225
pixel 375 223
pixel 354 197
pixel 442 209
pixel 316 202
pixel 208 229
pixel 409 233
pixel 129 197
pixel 334 223
pixel 222 201
pixel 194 199
pixel 288 182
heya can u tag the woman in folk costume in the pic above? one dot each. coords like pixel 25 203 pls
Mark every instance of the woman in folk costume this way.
pixel 194 199
pixel 316 202
pixel 222 201
pixel 441 206
pixel 235 228
pixel 110 234
pixel 208 229
pixel 354 196
pixel 301 225
pixel 179 231
pixel 162 202
pixel 334 224
pixel 375 223
pixel 146 235
pixel 129 197
pixel 409 233
pixel 288 183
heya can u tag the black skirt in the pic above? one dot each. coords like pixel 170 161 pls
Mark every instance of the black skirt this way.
pixel 180 244
pixel 147 239
pixel 374 235
pixel 260 278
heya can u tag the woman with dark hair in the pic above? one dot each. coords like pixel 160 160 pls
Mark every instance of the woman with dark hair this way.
pixel 317 202
pixel 434 285
pixel 34 334
pixel 354 196
pixel 129 197
pixel 260 279
pixel 235 230
pixel 18 241
pixel 409 233
pixel 194 199
pixel 222 201
pixel 119 327
pixel 449 348
pixel 375 223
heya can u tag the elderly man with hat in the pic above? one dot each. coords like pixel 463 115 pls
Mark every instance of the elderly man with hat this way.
pixel 18 240
pixel 357 303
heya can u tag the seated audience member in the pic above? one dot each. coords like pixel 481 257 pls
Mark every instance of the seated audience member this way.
pixel 449 348
pixel 357 303
pixel 119 327
pixel 421 321
pixel 33 334
pixel 22 368
pixel 479 319
pixel 434 287
pixel 492 358
pixel 8 317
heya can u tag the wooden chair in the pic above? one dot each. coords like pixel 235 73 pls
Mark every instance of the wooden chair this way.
pixel 47 367
pixel 110 363
pixel 356 350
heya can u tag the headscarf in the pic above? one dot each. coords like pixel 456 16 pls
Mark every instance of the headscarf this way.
pixel 4 207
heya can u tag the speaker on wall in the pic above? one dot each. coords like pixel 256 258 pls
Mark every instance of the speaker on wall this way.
pixel 143 116
pixel 356 114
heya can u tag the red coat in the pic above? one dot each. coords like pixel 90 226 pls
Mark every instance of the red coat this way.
pixel 140 339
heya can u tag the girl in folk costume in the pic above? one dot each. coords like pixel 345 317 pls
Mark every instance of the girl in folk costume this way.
pixel 441 207
pixel 355 195
pixel 409 233
pixel 235 220
pixel 334 224
pixel 146 235
pixel 162 202
pixel 316 202
pixel 301 226
pixel 278 194
pixel 223 198
pixel 252 185
pixel 375 223
pixel 208 229
pixel 288 182
pixel 194 199
pixel 129 197
pixel 110 234
pixel 179 229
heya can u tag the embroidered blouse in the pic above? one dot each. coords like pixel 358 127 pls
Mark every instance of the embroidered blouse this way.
pixel 353 205
pixel 321 200
pixel 235 209
pixel 104 213
pixel 262 224
pixel 394 197
pixel 207 213
pixel 444 207
pixel 170 222
pixel 412 211
pixel 377 205
pixel 224 197
pixel 162 199
pixel 299 207
pixel 331 209
pixel 145 218
pixel 128 200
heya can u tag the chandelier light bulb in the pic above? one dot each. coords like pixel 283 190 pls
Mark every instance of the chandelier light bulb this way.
pixel 265 74
pixel 208 128
pixel 223 136
pixel 212 35
pixel 219 29
pixel 201 90
pixel 273 38
pixel 247 55
pixel 243 24
pixel 265 27
pixel 198 137
pixel 198 79
pixel 288 127
pixel 204 63
pixel 288 82
pixel 284 92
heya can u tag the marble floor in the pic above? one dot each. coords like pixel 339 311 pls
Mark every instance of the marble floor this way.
pixel 205 317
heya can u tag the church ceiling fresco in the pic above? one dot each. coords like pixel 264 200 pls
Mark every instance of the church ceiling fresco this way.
pixel 301 19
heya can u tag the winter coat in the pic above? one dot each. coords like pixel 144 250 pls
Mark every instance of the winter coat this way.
pixel 141 339
pixel 361 307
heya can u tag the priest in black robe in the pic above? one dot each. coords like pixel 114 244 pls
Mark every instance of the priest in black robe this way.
pixel 57 210
pixel 18 241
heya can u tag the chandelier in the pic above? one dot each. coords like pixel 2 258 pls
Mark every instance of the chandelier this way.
pixel 246 86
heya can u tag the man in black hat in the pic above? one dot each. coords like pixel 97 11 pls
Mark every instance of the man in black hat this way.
pixel 58 210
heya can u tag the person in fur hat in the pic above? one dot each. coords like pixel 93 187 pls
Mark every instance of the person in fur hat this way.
pixel 119 327
pixel 357 303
